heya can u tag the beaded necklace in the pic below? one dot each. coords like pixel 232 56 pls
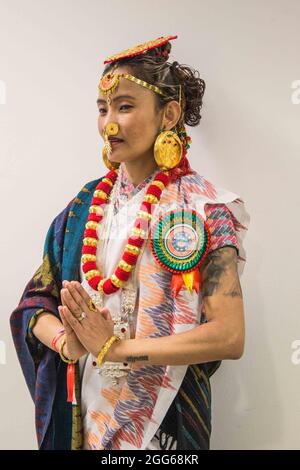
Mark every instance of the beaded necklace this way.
pixel 136 238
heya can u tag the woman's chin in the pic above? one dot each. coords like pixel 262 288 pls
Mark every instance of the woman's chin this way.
pixel 116 159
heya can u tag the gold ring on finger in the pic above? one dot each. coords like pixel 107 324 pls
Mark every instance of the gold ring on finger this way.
pixel 92 306
pixel 82 316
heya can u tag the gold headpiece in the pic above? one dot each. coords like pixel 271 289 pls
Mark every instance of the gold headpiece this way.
pixel 110 81
pixel 140 48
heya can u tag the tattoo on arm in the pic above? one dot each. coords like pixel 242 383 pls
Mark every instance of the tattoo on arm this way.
pixel 219 273
pixel 137 358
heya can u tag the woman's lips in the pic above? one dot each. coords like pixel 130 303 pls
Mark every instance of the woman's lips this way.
pixel 115 142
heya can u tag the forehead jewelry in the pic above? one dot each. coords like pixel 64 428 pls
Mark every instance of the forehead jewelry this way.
pixel 109 82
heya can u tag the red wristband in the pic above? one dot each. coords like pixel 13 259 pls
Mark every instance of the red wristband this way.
pixel 56 338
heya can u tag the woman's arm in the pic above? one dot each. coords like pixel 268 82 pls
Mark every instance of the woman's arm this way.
pixel 222 337
pixel 46 327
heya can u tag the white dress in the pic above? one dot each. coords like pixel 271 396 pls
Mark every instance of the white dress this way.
pixel 98 391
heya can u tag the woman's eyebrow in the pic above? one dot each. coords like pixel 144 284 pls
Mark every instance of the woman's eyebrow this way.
pixel 117 98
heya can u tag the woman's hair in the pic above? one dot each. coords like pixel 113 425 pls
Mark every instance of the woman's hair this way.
pixel 153 67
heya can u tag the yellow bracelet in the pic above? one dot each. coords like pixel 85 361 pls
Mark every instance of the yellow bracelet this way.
pixel 105 348
pixel 61 353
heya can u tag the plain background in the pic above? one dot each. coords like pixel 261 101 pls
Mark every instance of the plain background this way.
pixel 51 58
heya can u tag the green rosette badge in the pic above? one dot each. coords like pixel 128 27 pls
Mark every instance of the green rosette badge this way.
pixel 180 240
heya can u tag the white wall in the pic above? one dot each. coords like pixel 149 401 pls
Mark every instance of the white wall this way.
pixel 51 55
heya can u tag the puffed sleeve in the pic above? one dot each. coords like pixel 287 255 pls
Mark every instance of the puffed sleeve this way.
pixel 228 223
pixel 221 226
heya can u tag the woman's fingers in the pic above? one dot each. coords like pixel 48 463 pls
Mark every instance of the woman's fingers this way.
pixel 67 327
pixel 75 324
pixel 83 293
pixel 75 308
pixel 60 310
pixel 82 299
pixel 106 314
pixel 79 296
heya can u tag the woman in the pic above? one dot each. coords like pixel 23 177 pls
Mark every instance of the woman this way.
pixel 138 298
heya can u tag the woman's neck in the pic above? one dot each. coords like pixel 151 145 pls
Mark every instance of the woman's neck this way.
pixel 138 170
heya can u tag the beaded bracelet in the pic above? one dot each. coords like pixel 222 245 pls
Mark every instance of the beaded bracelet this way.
pixel 105 348
pixel 61 353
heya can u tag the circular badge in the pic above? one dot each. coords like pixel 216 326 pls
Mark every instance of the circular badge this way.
pixel 180 240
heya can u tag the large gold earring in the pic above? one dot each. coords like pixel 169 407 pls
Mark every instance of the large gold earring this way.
pixel 111 129
pixel 167 150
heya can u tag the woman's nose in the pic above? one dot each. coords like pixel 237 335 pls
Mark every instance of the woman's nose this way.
pixel 109 118
pixel 111 114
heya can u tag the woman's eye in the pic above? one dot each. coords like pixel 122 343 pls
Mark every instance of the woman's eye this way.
pixel 126 106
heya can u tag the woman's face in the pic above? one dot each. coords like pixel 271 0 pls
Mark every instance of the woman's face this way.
pixel 137 117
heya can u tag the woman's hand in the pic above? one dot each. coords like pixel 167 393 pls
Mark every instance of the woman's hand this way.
pixel 73 348
pixel 95 328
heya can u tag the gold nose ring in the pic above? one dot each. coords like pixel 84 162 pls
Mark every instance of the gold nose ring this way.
pixel 112 128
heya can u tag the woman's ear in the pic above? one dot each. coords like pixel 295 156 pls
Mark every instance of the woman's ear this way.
pixel 172 114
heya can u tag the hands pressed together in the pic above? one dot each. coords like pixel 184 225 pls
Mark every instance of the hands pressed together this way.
pixel 85 330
